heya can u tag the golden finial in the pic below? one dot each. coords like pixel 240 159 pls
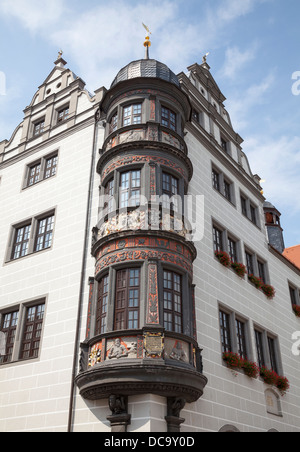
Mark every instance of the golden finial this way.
pixel 60 54
pixel 147 42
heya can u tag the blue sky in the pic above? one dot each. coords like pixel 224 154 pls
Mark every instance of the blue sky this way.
pixel 254 52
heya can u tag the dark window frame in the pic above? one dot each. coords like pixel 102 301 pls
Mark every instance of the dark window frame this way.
pixel 9 325
pixel 44 233
pixel 38 127
pixel 63 114
pixel 40 170
pixel 133 190
pixel 50 166
pixel 172 301
pixel 225 331
pixel 102 305
pixel 32 331
pixel 170 189
pixel 241 338
pixel 218 239
pixel 21 241
pixel 168 118
pixel 127 298
pixel 132 114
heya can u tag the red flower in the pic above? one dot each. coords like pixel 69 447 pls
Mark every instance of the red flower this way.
pixel 296 310
pixel 269 291
pixel 223 258
pixel 250 368
pixel 239 269
pixel 283 385
pixel 233 360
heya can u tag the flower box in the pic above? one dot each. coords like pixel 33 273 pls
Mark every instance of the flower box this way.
pixel 250 368
pixel 233 360
pixel 269 376
pixel 269 291
pixel 296 310
pixel 283 385
pixel 256 281
pixel 223 258
pixel 239 269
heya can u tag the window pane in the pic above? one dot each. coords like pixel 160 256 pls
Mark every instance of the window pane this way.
pixel 21 243
pixel 32 332
pixel 127 299
pixel 51 165
pixel 172 303
pixel 225 331
pixel 8 327
pixel 45 233
pixel 102 305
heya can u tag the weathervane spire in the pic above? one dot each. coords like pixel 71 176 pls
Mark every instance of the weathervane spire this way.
pixel 147 42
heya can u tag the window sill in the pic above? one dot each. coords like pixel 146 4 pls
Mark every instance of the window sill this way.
pixel 11 261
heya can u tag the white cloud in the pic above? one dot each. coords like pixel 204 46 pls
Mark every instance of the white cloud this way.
pixel 107 36
pixel 233 9
pixel 240 107
pixel 236 60
pixel 33 15
pixel 277 161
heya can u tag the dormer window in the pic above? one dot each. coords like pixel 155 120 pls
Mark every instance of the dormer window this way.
pixel 63 114
pixel 39 127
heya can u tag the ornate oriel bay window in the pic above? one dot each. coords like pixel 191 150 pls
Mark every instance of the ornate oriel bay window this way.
pixel 141 328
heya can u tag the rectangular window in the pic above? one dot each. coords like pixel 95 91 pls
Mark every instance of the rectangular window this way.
pixel 253 214
pixel 63 114
pixel 224 145
pixel 44 233
pixel 109 196
pixel 172 308
pixel 43 169
pixel 34 235
pixel 218 239
pixel 232 249
pixel 39 128
pixel 249 263
pixel 21 242
pixel 8 328
pixel 50 167
pixel 261 271
pixel 216 180
pixel 241 338
pixel 132 115
pixel 244 206
pixel 225 331
pixel 293 295
pixel 170 188
pixel 130 189
pixel 127 299
pixel 168 118
pixel 102 304
pixel 260 348
pixel 34 174
pixel 272 353
pixel 32 332
pixel 227 190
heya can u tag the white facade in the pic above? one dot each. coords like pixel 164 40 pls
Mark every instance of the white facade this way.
pixel 35 394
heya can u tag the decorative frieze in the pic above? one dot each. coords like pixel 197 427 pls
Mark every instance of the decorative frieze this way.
pixel 121 162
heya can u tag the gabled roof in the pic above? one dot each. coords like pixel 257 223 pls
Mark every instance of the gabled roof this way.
pixel 203 73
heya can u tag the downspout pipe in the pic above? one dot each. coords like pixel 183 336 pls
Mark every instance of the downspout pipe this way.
pixel 83 273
